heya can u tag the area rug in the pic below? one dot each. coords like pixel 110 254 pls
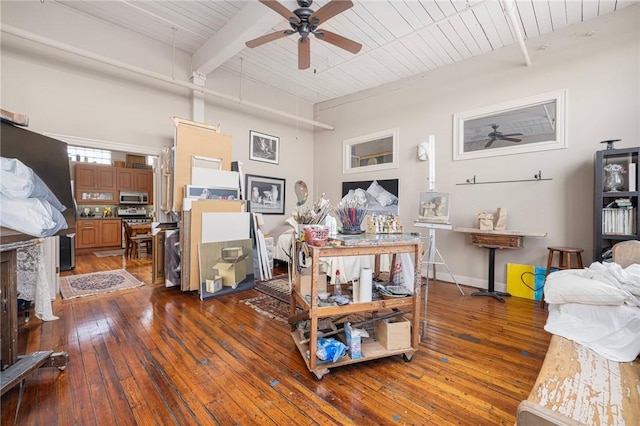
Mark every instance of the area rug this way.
pixel 108 253
pixel 97 283
pixel 274 302
pixel 270 306
pixel 277 287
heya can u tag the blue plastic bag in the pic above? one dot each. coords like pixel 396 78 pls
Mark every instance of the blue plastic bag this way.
pixel 330 349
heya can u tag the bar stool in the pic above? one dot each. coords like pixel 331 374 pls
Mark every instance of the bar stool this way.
pixel 564 261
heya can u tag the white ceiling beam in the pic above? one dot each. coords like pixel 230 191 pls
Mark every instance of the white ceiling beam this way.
pixel 251 22
pixel 509 7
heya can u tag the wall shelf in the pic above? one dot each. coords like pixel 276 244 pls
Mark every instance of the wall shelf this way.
pixel 473 181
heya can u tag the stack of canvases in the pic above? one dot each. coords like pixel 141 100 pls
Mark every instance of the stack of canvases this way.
pixel 263 257
pixel 214 219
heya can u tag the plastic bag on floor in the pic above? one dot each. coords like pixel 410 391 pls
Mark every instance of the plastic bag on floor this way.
pixel 330 349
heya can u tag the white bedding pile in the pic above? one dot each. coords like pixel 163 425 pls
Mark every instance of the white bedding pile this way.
pixel 27 204
pixel 598 307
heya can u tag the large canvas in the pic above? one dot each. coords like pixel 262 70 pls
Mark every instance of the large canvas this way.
pixel 381 196
pixel 211 255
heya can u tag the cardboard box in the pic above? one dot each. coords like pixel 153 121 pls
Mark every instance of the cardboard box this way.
pixel 394 333
pixel 354 341
pixel 303 283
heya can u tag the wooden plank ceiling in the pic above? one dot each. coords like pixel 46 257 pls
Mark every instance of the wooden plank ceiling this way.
pixel 400 38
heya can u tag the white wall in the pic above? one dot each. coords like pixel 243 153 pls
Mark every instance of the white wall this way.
pixel 65 94
pixel 601 73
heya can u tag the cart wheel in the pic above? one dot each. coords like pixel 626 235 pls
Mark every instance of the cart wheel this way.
pixel 62 368
pixel 320 374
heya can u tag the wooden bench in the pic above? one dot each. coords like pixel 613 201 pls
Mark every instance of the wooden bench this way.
pixel 576 386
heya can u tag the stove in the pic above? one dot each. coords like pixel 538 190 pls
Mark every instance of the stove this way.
pixel 133 215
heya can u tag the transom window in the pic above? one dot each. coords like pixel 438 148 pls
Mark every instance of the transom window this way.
pixel 89 155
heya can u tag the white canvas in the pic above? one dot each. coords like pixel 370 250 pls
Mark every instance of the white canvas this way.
pixel 225 227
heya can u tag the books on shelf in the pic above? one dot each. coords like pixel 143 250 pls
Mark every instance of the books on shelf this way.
pixel 619 221
pixel 632 170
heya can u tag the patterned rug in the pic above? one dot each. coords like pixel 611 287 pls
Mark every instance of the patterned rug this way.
pixel 274 302
pixel 108 253
pixel 277 287
pixel 269 306
pixel 97 283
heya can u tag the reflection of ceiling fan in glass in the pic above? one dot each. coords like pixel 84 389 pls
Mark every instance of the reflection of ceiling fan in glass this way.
pixel 499 136
pixel 304 22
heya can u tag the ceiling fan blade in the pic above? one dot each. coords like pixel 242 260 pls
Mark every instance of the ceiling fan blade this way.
pixel 329 10
pixel 279 8
pixel 513 134
pixel 488 144
pixel 304 53
pixel 267 38
pixel 510 139
pixel 338 40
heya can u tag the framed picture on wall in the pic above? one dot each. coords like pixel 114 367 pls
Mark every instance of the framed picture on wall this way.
pixel 537 123
pixel 266 194
pixel 263 147
pixel 380 196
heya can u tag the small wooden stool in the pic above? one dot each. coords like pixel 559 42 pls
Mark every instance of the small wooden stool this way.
pixel 564 261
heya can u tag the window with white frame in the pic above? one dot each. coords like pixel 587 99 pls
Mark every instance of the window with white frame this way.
pixel 89 155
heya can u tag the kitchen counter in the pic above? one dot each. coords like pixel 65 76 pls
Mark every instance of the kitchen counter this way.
pixel 96 218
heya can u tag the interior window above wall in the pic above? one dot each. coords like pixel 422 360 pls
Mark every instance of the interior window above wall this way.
pixel 89 155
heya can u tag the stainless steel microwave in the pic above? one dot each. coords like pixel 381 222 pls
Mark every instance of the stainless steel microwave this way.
pixel 134 197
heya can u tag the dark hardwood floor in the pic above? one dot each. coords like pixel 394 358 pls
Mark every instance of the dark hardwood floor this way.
pixel 156 355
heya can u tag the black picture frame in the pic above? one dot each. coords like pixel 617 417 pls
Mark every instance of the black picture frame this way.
pixel 260 192
pixel 263 147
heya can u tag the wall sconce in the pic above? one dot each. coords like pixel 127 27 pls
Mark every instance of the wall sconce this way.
pixel 423 150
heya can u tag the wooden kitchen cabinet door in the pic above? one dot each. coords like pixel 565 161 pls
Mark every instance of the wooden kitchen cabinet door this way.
pixel 87 233
pixel 143 181
pixel 98 233
pixel 111 233
pixel 106 176
pixel 126 181
pixel 95 177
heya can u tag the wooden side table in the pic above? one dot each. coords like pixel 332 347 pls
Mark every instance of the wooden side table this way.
pixel 492 240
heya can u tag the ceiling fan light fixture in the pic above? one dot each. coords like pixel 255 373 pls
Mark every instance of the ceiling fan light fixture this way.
pixel 305 21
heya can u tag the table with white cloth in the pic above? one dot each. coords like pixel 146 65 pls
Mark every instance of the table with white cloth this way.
pixel 349 267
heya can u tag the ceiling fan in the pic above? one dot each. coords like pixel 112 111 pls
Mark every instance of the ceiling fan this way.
pixel 305 21
pixel 496 135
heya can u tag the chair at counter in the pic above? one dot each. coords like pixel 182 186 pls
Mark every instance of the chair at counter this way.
pixel 134 240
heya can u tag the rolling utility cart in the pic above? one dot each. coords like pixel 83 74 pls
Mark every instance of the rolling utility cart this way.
pixel 384 308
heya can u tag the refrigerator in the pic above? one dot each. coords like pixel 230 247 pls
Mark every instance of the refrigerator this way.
pixel 67 252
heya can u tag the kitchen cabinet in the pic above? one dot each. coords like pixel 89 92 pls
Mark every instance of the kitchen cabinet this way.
pixel 136 180
pixel 95 184
pixel 100 184
pixel 96 177
pixel 357 245
pixel 98 233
